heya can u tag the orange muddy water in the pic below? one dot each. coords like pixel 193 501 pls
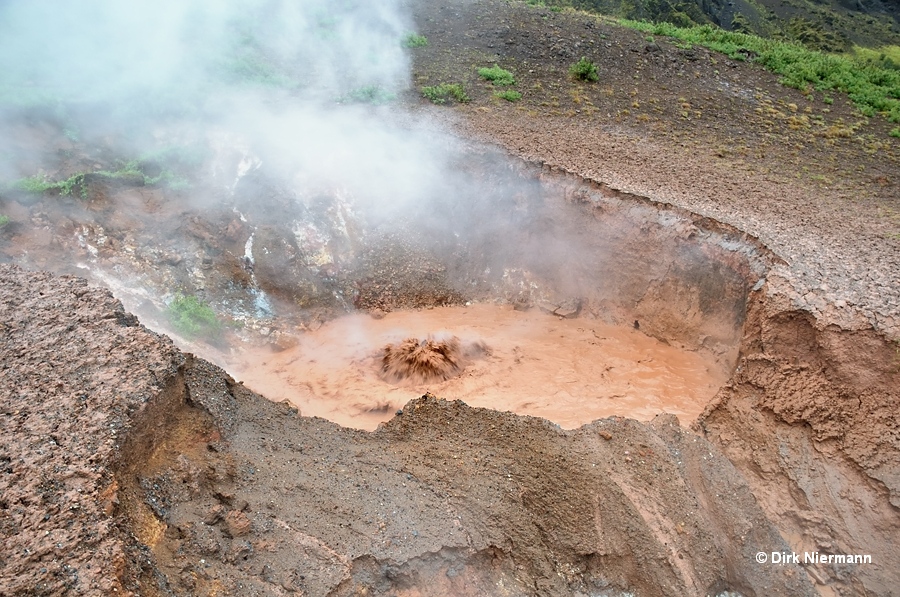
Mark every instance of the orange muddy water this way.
pixel 570 371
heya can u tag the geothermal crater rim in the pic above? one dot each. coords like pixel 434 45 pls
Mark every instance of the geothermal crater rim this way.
pixel 556 243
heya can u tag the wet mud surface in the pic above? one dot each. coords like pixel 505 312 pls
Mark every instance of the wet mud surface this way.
pixel 568 371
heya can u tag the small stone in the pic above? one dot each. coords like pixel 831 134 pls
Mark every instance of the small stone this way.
pixel 237 523
pixel 606 435
pixel 548 307
pixel 214 515
pixel 568 309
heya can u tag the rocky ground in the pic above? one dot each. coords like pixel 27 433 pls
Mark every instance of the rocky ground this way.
pixel 809 420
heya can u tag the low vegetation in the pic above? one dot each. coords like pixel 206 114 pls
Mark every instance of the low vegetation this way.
pixel 169 167
pixel 873 86
pixel 445 92
pixel 585 70
pixel 4 220
pixel 498 76
pixel 371 94
pixel 40 184
pixel 192 318
pixel 509 95
pixel 818 24
pixel 414 40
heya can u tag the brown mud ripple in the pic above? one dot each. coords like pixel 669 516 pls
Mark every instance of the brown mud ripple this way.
pixel 570 371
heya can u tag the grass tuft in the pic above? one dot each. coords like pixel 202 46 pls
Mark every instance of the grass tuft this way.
pixel 509 95
pixel 414 40
pixel 441 94
pixel 371 94
pixel 498 76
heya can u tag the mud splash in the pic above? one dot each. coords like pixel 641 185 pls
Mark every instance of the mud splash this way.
pixel 570 371
pixel 427 360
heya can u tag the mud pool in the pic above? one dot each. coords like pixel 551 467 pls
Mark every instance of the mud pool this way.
pixel 569 371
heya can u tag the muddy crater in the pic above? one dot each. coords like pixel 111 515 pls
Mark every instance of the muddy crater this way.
pixel 506 256
pixel 284 259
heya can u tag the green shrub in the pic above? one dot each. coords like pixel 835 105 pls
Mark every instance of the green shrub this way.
pixel 4 220
pixel 441 94
pixel 193 318
pixel 498 76
pixel 414 40
pixel 895 132
pixel 585 70
pixel 38 184
pixel 509 95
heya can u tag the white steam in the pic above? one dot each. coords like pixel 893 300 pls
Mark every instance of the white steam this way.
pixel 108 49
pixel 291 104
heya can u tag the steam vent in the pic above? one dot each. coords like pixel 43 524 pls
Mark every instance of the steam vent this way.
pixel 474 298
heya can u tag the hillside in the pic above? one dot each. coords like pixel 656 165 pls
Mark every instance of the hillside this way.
pixel 829 25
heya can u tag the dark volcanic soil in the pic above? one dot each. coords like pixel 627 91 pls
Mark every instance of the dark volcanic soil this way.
pixel 234 495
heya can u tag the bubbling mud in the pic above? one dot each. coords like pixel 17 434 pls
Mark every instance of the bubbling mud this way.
pixel 429 360
pixel 358 370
